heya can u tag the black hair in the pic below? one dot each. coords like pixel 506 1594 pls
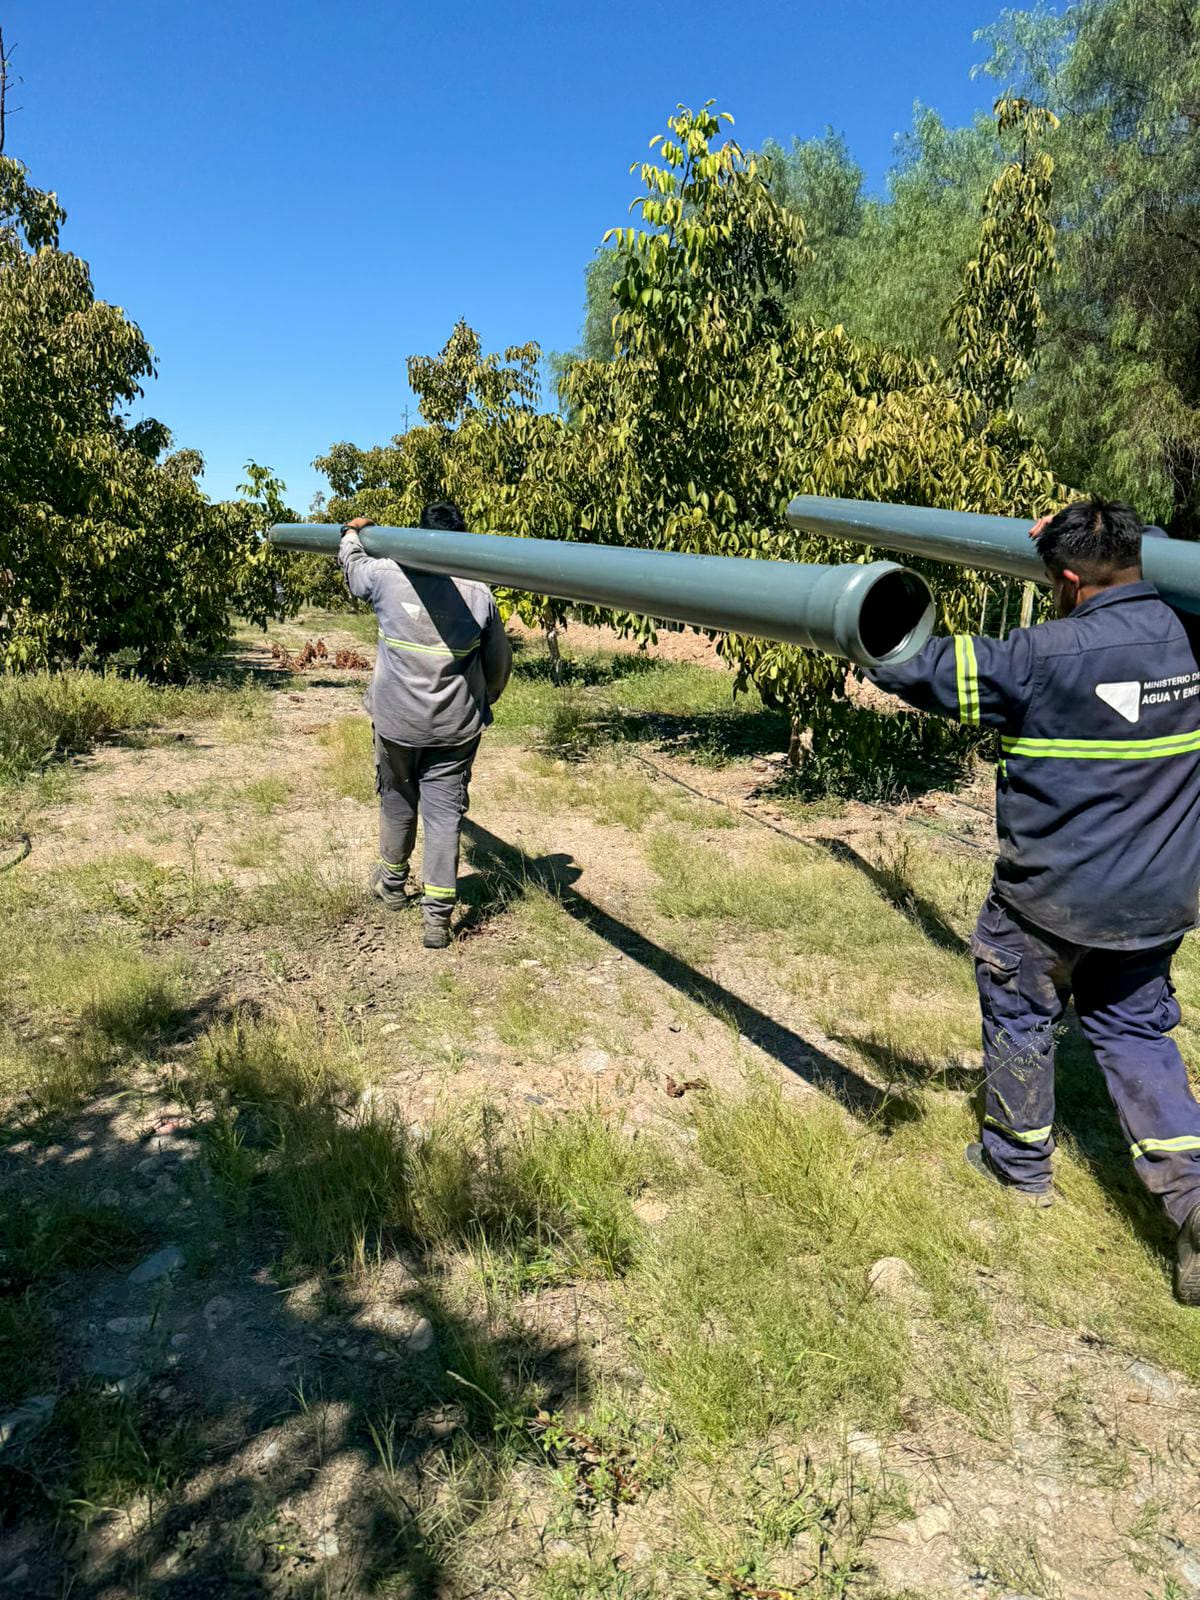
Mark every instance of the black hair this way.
pixel 444 515
pixel 1093 537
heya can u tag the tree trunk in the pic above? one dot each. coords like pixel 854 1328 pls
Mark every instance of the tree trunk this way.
pixel 551 629
pixel 797 733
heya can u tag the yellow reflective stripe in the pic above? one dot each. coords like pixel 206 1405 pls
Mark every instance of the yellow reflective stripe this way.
pixel 1184 1141
pixel 1175 744
pixel 967 675
pixel 435 893
pixel 429 649
pixel 1031 1136
pixel 394 866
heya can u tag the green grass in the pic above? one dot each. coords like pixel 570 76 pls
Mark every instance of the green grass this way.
pixel 48 714
pixel 536 1199
pixel 264 795
pixel 696 1294
pixel 612 694
pixel 259 845
pixel 611 792
pixel 101 1002
pixel 348 759
pixel 156 897
pixel 860 958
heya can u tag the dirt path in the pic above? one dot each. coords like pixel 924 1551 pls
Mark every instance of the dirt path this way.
pixel 580 990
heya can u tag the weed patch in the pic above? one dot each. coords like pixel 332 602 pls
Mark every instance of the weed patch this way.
pixel 49 714
pixel 536 1201
pixel 100 1002
pixel 348 759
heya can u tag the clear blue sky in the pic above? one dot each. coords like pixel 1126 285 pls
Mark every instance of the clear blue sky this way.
pixel 292 196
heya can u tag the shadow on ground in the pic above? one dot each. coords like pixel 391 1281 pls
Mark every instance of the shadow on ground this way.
pixel 225 1400
pixel 500 863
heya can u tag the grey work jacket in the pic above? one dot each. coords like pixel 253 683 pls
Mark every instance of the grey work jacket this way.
pixel 443 656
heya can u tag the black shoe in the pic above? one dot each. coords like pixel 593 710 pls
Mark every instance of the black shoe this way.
pixel 979 1161
pixel 436 936
pixel 1187 1251
pixel 393 897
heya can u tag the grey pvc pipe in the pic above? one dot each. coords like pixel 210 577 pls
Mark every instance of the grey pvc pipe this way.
pixel 873 614
pixel 986 544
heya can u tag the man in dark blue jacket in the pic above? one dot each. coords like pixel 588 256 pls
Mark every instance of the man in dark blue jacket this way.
pixel 1098 874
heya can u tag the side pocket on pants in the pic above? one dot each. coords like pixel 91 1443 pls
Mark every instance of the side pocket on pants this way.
pixel 1003 965
pixel 997 972
pixel 1168 1014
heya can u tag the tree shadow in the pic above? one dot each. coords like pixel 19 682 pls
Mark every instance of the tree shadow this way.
pixel 582 672
pixel 506 868
pixel 199 1427
pixel 713 737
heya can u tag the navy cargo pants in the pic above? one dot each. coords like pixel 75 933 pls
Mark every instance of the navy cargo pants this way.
pixel 1126 1006
pixel 432 782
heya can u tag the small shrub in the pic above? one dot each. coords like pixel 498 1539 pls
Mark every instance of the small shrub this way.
pixel 48 714
pixel 572 727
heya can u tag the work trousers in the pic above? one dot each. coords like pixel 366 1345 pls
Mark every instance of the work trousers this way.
pixel 1126 1006
pixel 432 782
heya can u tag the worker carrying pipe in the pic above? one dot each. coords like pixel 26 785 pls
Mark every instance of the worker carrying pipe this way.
pixel 443 658
pixel 1098 874
pixel 442 663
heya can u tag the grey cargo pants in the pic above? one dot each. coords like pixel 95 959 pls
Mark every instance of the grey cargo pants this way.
pixel 431 781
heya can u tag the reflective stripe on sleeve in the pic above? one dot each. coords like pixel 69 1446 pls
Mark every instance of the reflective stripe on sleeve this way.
pixel 967 677
pixel 1030 1136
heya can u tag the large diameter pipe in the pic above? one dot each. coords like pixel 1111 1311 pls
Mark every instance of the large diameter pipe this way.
pixel 872 614
pixel 986 544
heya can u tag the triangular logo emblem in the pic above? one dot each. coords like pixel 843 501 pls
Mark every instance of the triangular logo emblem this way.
pixel 414 611
pixel 1124 698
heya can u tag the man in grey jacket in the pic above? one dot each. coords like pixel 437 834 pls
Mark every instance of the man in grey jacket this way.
pixel 442 661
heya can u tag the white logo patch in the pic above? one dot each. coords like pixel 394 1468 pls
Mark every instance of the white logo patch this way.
pixel 415 611
pixel 1124 698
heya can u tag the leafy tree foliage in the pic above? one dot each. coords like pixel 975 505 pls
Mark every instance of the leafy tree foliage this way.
pixel 1118 388
pixel 720 402
pixel 105 547
pixel 888 268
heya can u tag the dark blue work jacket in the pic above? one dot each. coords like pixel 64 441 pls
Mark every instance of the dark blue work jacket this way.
pixel 1098 787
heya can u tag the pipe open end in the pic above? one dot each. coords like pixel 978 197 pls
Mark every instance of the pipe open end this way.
pixel 896 617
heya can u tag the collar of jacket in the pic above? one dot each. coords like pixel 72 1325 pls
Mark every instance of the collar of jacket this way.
pixel 1115 595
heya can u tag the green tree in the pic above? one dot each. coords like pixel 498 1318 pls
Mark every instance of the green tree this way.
pixel 1117 393
pixel 722 403
pixel 483 443
pixel 887 268
pixel 105 549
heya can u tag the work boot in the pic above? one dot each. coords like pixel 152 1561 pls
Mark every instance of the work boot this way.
pixel 394 896
pixel 979 1161
pixel 1187 1251
pixel 436 935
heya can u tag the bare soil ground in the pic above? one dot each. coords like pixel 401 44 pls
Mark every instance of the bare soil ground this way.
pixel 327 1413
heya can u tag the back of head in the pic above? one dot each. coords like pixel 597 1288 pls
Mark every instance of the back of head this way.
pixel 444 516
pixel 1100 541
